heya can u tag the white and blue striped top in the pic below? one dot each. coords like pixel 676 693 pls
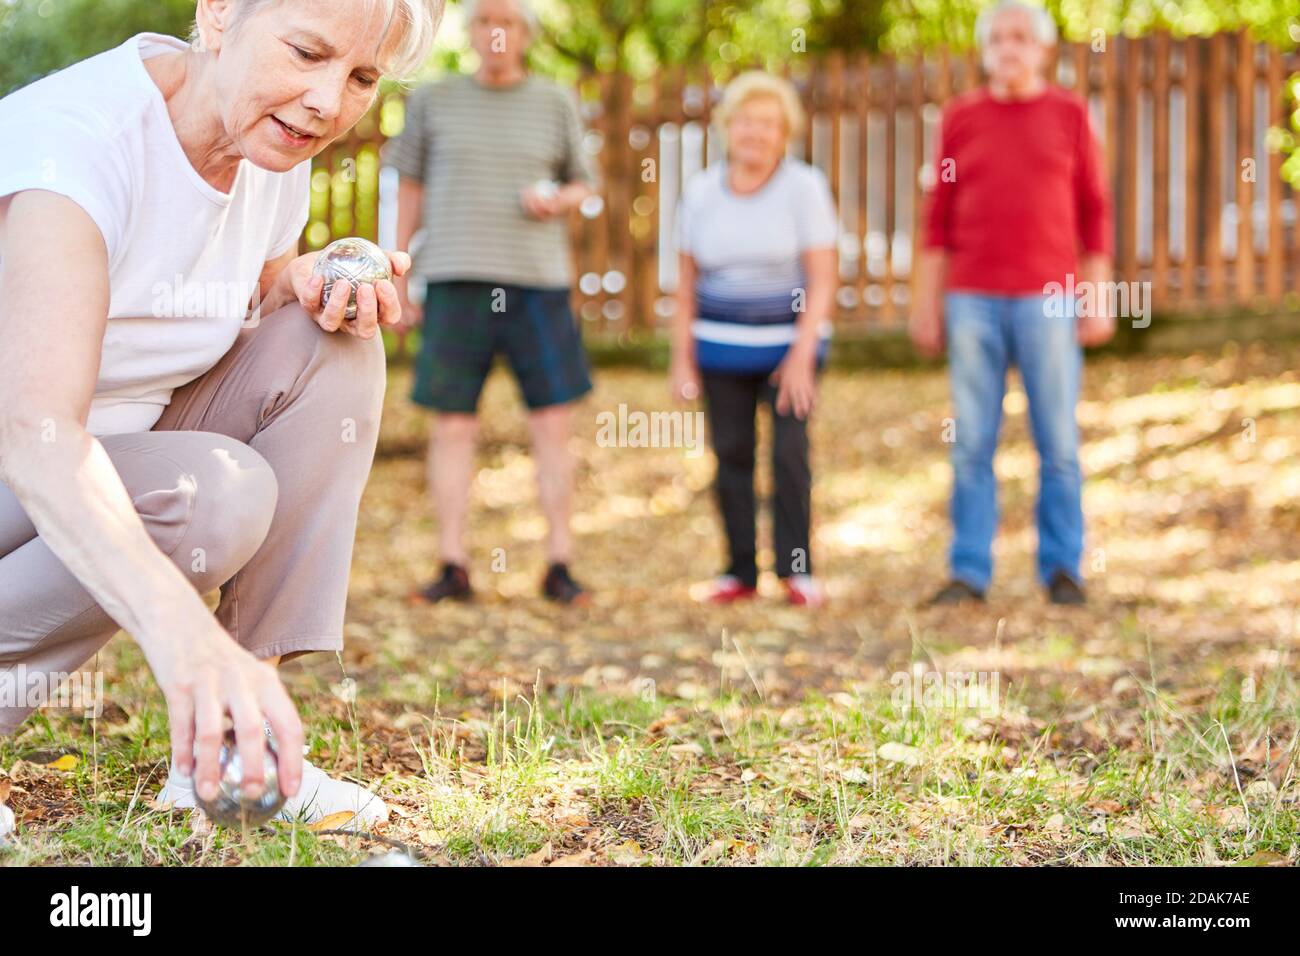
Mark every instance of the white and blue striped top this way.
pixel 748 254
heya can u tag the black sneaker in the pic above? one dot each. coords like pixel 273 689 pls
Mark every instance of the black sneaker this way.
pixel 453 584
pixel 559 586
pixel 1064 589
pixel 956 592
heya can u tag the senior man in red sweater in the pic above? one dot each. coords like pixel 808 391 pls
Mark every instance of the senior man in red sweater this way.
pixel 1019 208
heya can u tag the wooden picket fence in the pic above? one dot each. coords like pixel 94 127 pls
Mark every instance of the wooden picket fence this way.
pixel 1201 212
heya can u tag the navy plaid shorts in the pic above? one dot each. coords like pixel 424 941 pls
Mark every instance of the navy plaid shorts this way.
pixel 466 324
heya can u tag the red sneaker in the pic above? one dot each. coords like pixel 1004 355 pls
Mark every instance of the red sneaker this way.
pixel 804 590
pixel 724 589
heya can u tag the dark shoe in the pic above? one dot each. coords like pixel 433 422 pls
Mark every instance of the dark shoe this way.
pixel 956 592
pixel 453 584
pixel 559 586
pixel 1063 589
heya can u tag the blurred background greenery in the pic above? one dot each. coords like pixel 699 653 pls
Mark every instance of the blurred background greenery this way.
pixel 640 36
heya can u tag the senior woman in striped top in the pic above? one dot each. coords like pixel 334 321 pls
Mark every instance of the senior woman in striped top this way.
pixel 756 240
pixel 180 410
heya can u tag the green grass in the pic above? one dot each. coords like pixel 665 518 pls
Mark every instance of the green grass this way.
pixel 729 780
pixel 1157 726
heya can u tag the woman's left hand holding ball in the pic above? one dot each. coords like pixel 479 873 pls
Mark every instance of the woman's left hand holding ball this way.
pixel 377 304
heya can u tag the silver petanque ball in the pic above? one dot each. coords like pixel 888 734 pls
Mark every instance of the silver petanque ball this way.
pixel 231 807
pixel 354 261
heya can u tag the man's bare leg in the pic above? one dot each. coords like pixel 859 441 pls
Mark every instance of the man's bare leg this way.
pixel 452 440
pixel 451 469
pixel 551 429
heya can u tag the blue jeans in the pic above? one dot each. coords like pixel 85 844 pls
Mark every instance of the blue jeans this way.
pixel 986 334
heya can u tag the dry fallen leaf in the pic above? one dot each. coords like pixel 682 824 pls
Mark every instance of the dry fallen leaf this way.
pixel 333 821
pixel 686 751
pixel 899 753
pixel 581 858
pixel 627 853
pixel 715 850
pixel 1106 806
pixel 791 717
pixel 1260 791
pixel 573 819
pixel 1233 817
pixel 1265 858
pixel 200 825
pixel 540 858
pixel 1130 828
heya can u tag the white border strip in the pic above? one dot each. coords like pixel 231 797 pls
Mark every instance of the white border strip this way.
pixel 758 336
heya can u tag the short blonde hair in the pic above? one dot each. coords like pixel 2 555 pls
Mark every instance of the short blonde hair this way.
pixel 756 84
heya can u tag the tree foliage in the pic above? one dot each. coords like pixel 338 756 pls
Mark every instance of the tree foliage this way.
pixel 927 23
pixel 640 36
pixel 38 37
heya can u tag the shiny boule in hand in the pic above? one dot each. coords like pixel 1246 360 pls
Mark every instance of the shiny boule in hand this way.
pixel 232 807
pixel 355 261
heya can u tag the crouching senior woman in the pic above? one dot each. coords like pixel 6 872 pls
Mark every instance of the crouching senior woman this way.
pixel 179 408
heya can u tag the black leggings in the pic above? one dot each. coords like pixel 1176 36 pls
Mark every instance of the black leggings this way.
pixel 732 402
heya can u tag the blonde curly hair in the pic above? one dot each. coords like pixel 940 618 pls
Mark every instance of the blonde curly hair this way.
pixel 757 84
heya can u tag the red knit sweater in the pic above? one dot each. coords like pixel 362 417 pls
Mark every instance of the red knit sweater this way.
pixel 1020 190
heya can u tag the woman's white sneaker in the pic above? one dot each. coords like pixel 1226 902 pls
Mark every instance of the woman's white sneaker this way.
pixel 804 590
pixel 320 796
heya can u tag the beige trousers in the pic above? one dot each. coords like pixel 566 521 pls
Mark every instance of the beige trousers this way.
pixel 249 482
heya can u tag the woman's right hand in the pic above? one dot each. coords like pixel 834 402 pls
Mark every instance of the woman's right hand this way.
pixel 683 380
pixel 210 676
pixel 73 494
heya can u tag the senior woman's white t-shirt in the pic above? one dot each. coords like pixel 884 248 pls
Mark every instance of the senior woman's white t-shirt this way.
pixel 184 258
pixel 748 250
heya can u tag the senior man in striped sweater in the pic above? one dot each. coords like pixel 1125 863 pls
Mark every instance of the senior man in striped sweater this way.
pixel 490 166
